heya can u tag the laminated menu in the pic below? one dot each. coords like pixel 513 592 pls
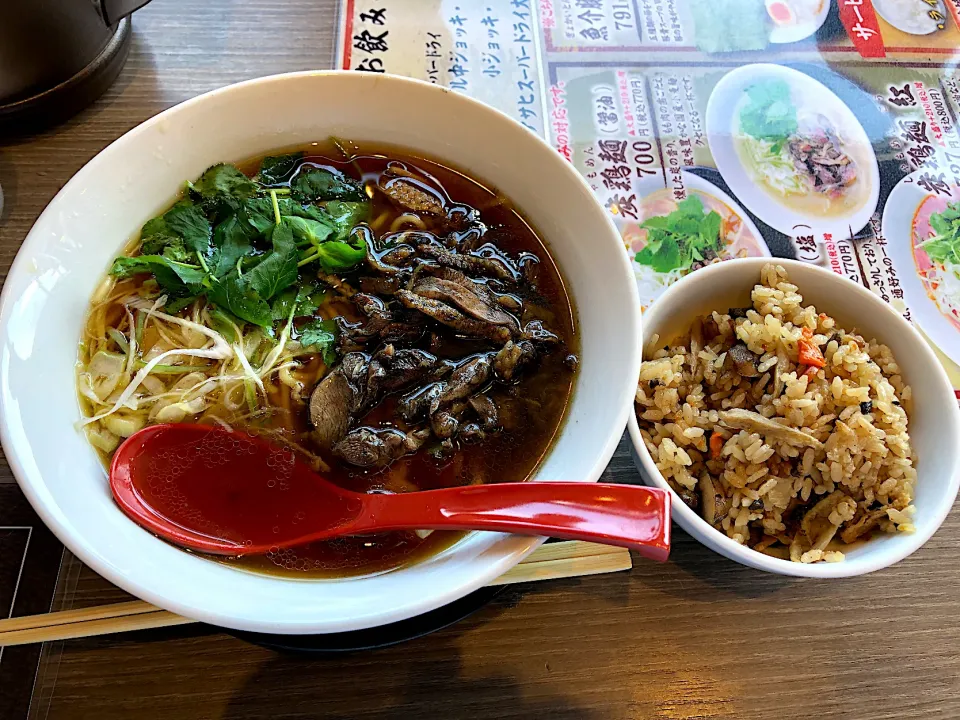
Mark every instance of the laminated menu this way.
pixel 819 130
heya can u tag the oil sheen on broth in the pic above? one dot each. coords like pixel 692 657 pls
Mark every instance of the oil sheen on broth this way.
pixel 530 408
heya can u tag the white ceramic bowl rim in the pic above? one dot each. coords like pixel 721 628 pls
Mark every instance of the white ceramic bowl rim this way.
pixel 869 562
pixel 211 592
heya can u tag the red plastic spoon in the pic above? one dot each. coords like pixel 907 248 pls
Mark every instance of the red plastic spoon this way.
pixel 228 493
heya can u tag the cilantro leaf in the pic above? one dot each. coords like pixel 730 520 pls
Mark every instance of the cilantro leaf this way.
pixel 308 232
pixel 309 300
pixel 318 184
pixel 687 235
pixel 284 304
pixel 940 250
pixel 321 334
pixel 291 208
pixel 232 241
pixel 339 217
pixel 663 256
pixel 259 212
pixel 156 235
pixel 177 278
pixel 657 222
pixel 334 256
pixel 346 215
pixel 944 247
pixel 710 230
pixel 277 169
pixel 177 252
pixel 234 294
pixel 301 301
pixel 313 229
pixel 187 221
pixel 278 270
pixel 940 223
pixel 223 241
pixel 223 186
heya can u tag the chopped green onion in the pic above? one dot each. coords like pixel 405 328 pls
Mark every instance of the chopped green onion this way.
pixel 172 369
pixel 119 339
pixel 141 322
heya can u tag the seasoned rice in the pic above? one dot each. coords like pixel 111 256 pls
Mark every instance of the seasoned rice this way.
pixel 780 454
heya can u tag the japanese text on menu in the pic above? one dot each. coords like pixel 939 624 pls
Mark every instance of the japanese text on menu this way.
pixel 486 50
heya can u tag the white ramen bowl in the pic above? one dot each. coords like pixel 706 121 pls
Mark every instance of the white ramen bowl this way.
pixel 68 251
pixel 934 417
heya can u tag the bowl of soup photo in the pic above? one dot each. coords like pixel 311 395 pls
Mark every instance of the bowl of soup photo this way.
pixel 792 151
pixel 400 285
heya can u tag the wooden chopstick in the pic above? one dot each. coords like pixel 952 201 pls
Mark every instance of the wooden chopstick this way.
pixel 150 619
pixel 566 559
pixel 549 562
pixel 90 614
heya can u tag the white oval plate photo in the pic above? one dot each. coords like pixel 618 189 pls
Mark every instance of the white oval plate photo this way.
pixel 898 229
pixel 723 125
pixel 67 253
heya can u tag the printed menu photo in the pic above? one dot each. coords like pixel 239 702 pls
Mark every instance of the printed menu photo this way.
pixel 701 163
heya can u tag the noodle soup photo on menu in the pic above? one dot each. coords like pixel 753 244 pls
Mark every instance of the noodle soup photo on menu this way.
pixel 672 237
pixel 921 225
pixel 792 151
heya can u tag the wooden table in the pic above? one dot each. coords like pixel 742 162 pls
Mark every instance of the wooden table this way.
pixel 699 637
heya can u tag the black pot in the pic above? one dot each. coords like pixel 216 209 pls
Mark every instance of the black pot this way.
pixel 56 56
